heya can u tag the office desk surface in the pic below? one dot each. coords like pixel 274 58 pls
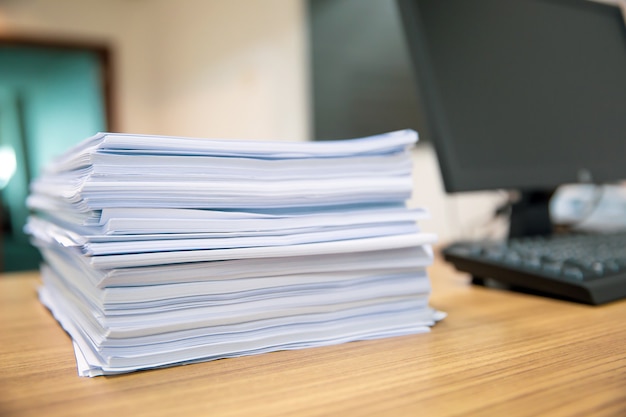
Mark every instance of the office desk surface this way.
pixel 497 353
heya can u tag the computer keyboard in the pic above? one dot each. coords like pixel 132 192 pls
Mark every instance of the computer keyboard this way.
pixel 585 268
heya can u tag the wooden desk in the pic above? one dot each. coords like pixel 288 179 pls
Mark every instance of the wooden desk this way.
pixel 497 353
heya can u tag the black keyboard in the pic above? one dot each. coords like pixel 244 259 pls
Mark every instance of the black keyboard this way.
pixel 585 268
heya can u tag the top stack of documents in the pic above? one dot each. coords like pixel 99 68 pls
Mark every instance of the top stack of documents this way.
pixel 161 250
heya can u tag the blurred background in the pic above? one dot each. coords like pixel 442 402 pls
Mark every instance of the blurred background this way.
pixel 288 70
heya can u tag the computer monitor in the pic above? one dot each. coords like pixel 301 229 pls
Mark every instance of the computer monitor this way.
pixel 522 94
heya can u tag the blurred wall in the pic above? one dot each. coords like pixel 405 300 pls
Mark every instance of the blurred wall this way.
pixel 232 68
pixel 217 68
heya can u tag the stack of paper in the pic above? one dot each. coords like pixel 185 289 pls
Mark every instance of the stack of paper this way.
pixel 161 251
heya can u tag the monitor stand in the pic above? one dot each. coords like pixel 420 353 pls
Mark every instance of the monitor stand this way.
pixel 530 215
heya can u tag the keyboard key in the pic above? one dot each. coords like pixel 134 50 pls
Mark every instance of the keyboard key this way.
pixel 573 273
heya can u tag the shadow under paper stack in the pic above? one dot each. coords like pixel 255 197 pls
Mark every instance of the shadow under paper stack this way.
pixel 161 251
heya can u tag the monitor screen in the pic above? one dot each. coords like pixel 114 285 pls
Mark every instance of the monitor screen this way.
pixel 521 94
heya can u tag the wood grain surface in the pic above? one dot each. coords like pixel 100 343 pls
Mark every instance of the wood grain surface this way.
pixel 496 354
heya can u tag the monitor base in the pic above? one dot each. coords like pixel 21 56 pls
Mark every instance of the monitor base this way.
pixel 530 215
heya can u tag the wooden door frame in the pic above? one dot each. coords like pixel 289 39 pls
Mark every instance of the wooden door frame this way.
pixel 102 50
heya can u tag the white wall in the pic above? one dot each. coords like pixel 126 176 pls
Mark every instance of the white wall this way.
pixel 232 69
pixel 220 68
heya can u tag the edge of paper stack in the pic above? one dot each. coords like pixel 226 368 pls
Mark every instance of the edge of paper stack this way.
pixel 161 251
